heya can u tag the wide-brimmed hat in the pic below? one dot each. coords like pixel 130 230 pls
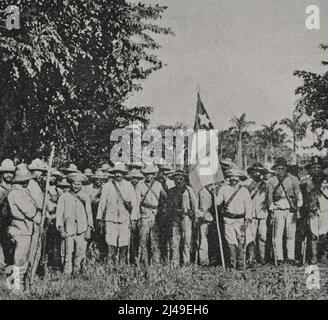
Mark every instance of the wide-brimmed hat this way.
pixel 228 164
pixel 56 173
pixel 235 173
pixel 135 165
pixel 135 174
pixel 280 162
pixel 178 172
pixel 105 167
pixel 99 175
pixel 7 165
pixel 257 167
pixel 63 184
pixel 76 177
pixel 118 168
pixel 22 174
pixel 70 169
pixel 150 169
pixel 37 165
pixel 88 172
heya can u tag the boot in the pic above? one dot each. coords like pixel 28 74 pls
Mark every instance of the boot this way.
pixel 112 255
pixel 251 255
pixel 233 256
pixel 123 251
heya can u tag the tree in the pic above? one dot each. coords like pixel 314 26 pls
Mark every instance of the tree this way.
pixel 297 127
pixel 65 75
pixel 240 125
pixel 272 136
pixel 313 100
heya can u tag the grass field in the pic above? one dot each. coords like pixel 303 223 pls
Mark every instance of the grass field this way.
pixel 193 282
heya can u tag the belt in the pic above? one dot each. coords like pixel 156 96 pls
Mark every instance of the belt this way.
pixel 233 215
pixel 149 206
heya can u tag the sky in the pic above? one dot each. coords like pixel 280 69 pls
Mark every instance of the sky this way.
pixel 240 53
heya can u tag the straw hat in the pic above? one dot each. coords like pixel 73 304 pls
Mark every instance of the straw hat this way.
pixel 76 177
pixel 70 169
pixel 99 175
pixel 7 165
pixel 119 167
pixel 56 173
pixel 37 165
pixel 150 169
pixel 63 184
pixel 136 165
pixel 22 174
pixel 178 172
pixel 88 172
pixel 135 174
pixel 235 173
pixel 105 167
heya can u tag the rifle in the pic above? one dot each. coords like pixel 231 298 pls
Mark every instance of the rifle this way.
pixel 272 239
pixel 244 244
pixel 35 262
pixel 218 229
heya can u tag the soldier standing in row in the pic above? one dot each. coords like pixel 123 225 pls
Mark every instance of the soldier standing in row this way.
pixel 284 201
pixel 117 211
pixel 311 187
pixel 258 191
pixel 149 192
pixel 7 171
pixel 205 217
pixel 25 219
pixel 237 213
pixel 135 176
pixel 74 222
pixel 182 208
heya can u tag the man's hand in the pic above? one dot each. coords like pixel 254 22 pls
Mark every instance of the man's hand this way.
pixel 134 224
pixel 63 234
pixel 88 234
pixel 101 225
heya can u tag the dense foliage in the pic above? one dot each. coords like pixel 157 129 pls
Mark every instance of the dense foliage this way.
pixel 66 73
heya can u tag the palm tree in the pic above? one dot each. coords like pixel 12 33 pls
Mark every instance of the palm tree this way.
pixel 297 127
pixel 240 125
pixel 272 136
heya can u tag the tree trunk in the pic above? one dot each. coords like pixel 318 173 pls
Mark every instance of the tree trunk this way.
pixel 240 153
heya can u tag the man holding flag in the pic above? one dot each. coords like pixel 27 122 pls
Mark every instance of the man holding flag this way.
pixel 205 171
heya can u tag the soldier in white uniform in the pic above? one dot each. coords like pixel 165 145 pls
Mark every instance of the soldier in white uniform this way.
pixel 149 192
pixel 25 219
pixel 118 210
pixel 284 200
pixel 74 222
pixel 38 169
pixel 183 210
pixel 237 216
pixel 258 189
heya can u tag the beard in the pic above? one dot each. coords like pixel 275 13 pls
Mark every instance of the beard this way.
pixel 7 179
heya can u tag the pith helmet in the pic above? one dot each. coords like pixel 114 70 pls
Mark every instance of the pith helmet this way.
pixel 22 174
pixel 7 165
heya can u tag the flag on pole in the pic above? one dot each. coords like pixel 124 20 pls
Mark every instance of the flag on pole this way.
pixel 205 165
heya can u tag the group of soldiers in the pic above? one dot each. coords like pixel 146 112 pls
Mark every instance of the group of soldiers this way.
pixel 149 214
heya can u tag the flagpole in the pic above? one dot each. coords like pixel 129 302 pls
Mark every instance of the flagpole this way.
pixel 218 227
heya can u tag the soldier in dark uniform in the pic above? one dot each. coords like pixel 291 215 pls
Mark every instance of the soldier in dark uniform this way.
pixel 7 171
